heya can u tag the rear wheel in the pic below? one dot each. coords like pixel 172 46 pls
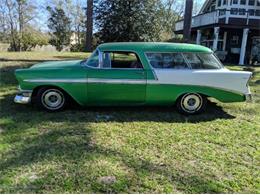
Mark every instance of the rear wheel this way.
pixel 191 103
pixel 51 99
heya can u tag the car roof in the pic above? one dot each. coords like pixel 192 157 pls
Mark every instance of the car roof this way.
pixel 153 46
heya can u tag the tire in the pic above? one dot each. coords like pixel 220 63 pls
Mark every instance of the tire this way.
pixel 191 103
pixel 51 99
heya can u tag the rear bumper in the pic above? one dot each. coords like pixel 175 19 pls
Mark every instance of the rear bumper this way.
pixel 248 97
pixel 23 97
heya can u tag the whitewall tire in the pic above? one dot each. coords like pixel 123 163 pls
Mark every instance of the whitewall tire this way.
pixel 51 99
pixel 191 103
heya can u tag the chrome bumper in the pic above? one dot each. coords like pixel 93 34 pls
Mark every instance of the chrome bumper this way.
pixel 23 97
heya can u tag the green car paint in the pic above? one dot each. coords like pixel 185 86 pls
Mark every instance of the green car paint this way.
pixel 100 86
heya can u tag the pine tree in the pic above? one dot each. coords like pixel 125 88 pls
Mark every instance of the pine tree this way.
pixel 60 26
pixel 128 20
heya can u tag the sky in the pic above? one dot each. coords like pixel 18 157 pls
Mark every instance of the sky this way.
pixel 42 16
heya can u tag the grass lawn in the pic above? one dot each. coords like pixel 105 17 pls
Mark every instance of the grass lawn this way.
pixel 125 150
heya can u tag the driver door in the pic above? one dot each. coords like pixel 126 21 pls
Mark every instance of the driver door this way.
pixel 120 79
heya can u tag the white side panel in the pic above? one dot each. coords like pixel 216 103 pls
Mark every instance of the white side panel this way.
pixel 234 81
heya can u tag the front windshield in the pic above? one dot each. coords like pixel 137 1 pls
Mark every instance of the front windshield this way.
pixel 203 61
pixel 93 60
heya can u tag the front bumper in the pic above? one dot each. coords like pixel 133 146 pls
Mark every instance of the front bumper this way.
pixel 23 97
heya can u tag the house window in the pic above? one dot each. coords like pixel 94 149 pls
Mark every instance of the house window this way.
pixel 225 2
pixel 219 3
pixel 235 40
pixel 234 11
pixel 251 12
pixel 242 2
pixel 235 2
pixel 251 2
pixel 258 3
pixel 257 12
pixel 242 11
pixel 222 12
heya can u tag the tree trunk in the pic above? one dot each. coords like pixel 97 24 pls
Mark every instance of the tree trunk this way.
pixel 89 34
pixel 21 22
pixel 187 20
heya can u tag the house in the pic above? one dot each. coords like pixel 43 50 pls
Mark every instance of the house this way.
pixel 231 28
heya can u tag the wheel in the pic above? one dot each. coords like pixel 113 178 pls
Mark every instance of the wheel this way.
pixel 51 99
pixel 191 103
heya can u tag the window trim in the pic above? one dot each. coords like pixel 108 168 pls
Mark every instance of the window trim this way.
pixel 130 51
pixel 186 60
pixel 212 53
pixel 153 68
pixel 100 59
pixel 86 64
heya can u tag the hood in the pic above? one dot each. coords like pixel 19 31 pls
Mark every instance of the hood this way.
pixel 57 64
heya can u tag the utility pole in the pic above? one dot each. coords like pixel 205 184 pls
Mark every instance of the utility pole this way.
pixel 187 21
pixel 89 32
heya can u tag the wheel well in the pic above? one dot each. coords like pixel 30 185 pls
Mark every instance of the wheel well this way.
pixel 202 95
pixel 35 91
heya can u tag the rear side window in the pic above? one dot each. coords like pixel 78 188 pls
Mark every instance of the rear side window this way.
pixel 202 61
pixel 167 60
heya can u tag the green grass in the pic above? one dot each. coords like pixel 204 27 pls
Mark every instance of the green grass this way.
pixel 145 150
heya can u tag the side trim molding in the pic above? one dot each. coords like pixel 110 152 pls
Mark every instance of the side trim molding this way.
pixel 90 80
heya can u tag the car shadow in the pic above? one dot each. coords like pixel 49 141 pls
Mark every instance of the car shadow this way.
pixel 114 114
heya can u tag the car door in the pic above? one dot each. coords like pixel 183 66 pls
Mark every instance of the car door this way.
pixel 120 79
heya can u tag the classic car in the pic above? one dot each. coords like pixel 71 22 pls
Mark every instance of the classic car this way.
pixel 118 74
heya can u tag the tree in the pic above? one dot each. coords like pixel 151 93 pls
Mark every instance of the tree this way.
pixel 31 38
pixel 172 11
pixel 129 20
pixel 60 27
pixel 15 16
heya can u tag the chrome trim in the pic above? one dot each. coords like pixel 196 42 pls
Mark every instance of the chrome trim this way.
pixel 90 80
pixel 23 97
pixel 19 99
pixel 118 81
pixel 56 80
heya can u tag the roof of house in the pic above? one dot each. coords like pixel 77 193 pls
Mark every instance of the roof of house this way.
pixel 153 46
pixel 204 6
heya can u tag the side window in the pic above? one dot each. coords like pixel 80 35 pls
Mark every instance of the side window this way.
pixel 121 60
pixel 93 60
pixel 209 61
pixel 203 61
pixel 167 60
pixel 193 60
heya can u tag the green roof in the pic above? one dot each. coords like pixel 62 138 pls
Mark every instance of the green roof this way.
pixel 153 46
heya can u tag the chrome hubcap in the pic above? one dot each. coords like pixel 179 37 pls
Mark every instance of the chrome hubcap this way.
pixel 191 102
pixel 52 99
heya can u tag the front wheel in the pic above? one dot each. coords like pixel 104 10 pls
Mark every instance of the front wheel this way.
pixel 191 103
pixel 51 99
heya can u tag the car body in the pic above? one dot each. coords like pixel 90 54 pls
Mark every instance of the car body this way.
pixel 135 74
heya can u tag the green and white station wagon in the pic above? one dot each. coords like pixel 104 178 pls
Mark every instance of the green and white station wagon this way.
pixel 134 74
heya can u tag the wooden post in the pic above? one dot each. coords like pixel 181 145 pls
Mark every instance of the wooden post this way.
pixel 187 21
pixel 89 34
